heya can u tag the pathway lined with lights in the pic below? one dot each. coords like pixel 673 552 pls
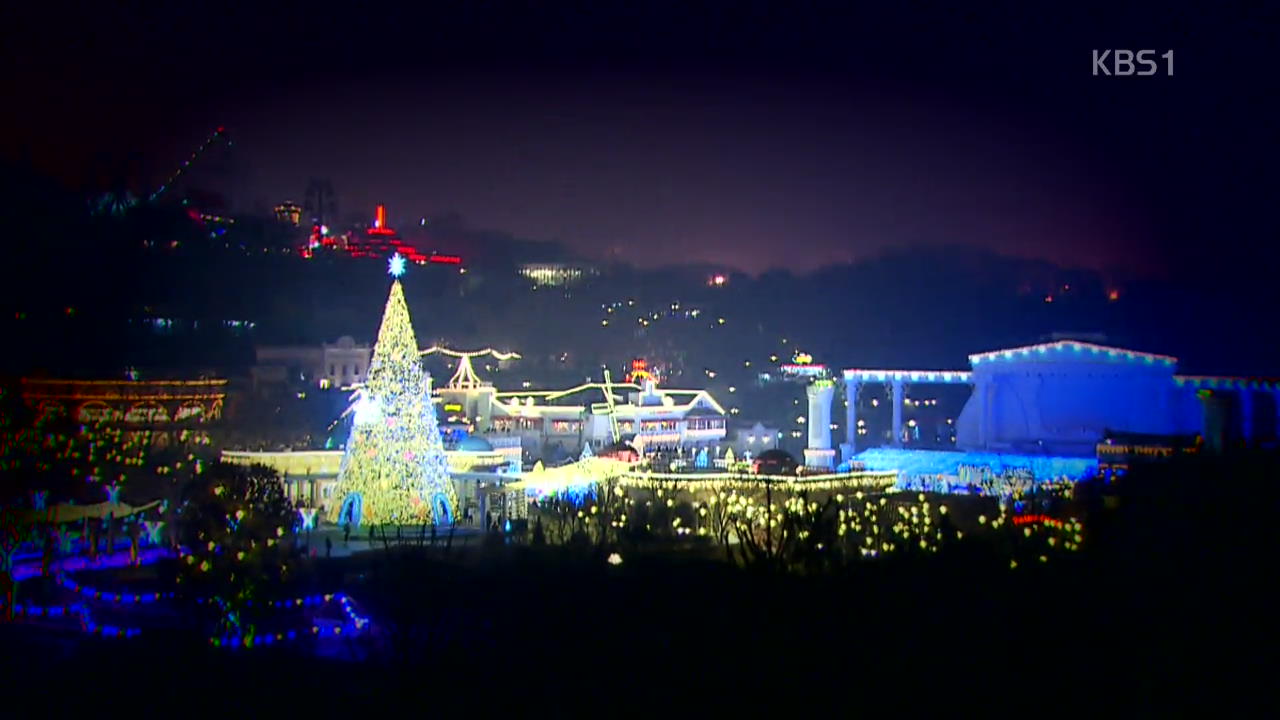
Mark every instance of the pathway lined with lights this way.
pixel 354 624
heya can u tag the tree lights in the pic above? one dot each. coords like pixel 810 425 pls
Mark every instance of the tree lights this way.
pixel 394 469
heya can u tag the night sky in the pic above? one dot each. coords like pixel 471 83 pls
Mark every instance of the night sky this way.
pixel 744 133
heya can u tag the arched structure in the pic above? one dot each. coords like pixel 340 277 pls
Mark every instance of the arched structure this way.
pixel 465 378
pixel 190 410
pixel 146 412
pixel 96 411
pixel 351 511
pixel 167 411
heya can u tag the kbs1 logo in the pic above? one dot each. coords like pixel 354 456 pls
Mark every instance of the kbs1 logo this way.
pixel 1123 63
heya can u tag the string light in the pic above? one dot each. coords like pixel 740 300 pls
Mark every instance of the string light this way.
pixel 394 468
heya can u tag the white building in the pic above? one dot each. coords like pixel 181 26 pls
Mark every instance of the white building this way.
pixel 555 274
pixel 560 422
pixel 344 363
pixel 335 365
pixel 755 439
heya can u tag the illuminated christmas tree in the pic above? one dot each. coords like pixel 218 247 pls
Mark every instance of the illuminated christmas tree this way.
pixel 394 469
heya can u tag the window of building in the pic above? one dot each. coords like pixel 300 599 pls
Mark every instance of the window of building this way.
pixel 332 370
pixel 344 371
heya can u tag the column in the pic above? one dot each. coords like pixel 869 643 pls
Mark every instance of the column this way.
pixel 897 413
pixel 819 453
pixel 820 397
pixel 1246 414
pixel 851 415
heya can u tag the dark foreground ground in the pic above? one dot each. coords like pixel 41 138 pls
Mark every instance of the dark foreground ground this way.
pixel 1166 612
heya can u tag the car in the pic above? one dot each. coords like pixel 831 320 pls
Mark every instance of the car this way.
pixel 774 462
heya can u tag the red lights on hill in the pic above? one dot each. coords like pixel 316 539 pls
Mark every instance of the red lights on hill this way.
pixel 379 241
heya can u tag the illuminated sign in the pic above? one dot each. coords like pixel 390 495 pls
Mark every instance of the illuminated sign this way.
pixel 805 370
pixel 452 407
pixel 640 371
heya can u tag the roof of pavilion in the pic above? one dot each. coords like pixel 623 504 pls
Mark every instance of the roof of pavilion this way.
pixel 1072 350
pixel 1052 351
pixel 929 376
pixel 1060 350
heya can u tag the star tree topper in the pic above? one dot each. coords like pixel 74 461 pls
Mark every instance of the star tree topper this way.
pixel 395 265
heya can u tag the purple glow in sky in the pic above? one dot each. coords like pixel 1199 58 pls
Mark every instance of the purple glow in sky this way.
pixel 745 134
pixel 748 177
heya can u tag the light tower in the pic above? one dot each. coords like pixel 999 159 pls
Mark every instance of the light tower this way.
pixel 819 454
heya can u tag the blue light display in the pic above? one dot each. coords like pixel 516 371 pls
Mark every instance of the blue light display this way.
pixel 913 464
pixel 354 623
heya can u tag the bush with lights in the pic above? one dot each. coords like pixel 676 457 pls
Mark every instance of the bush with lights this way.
pixel 236 528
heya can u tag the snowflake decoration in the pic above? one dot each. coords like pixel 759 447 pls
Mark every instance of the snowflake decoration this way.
pixel 396 265
pixel 154 528
pixel 308 516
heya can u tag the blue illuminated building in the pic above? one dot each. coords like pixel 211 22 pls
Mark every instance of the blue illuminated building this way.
pixel 1055 402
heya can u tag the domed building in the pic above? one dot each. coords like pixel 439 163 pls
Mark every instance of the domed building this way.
pixel 474 443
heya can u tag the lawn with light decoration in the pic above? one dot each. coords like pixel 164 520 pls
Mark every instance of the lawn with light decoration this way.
pixel 1134 620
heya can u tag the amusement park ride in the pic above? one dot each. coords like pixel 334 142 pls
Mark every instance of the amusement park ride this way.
pixel 219 134
pixel 117 203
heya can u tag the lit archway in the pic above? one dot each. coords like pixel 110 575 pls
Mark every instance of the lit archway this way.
pixel 443 514
pixel 96 411
pixel 147 413
pixel 190 410
pixel 351 511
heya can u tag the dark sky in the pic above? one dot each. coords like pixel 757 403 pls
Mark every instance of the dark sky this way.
pixel 746 133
